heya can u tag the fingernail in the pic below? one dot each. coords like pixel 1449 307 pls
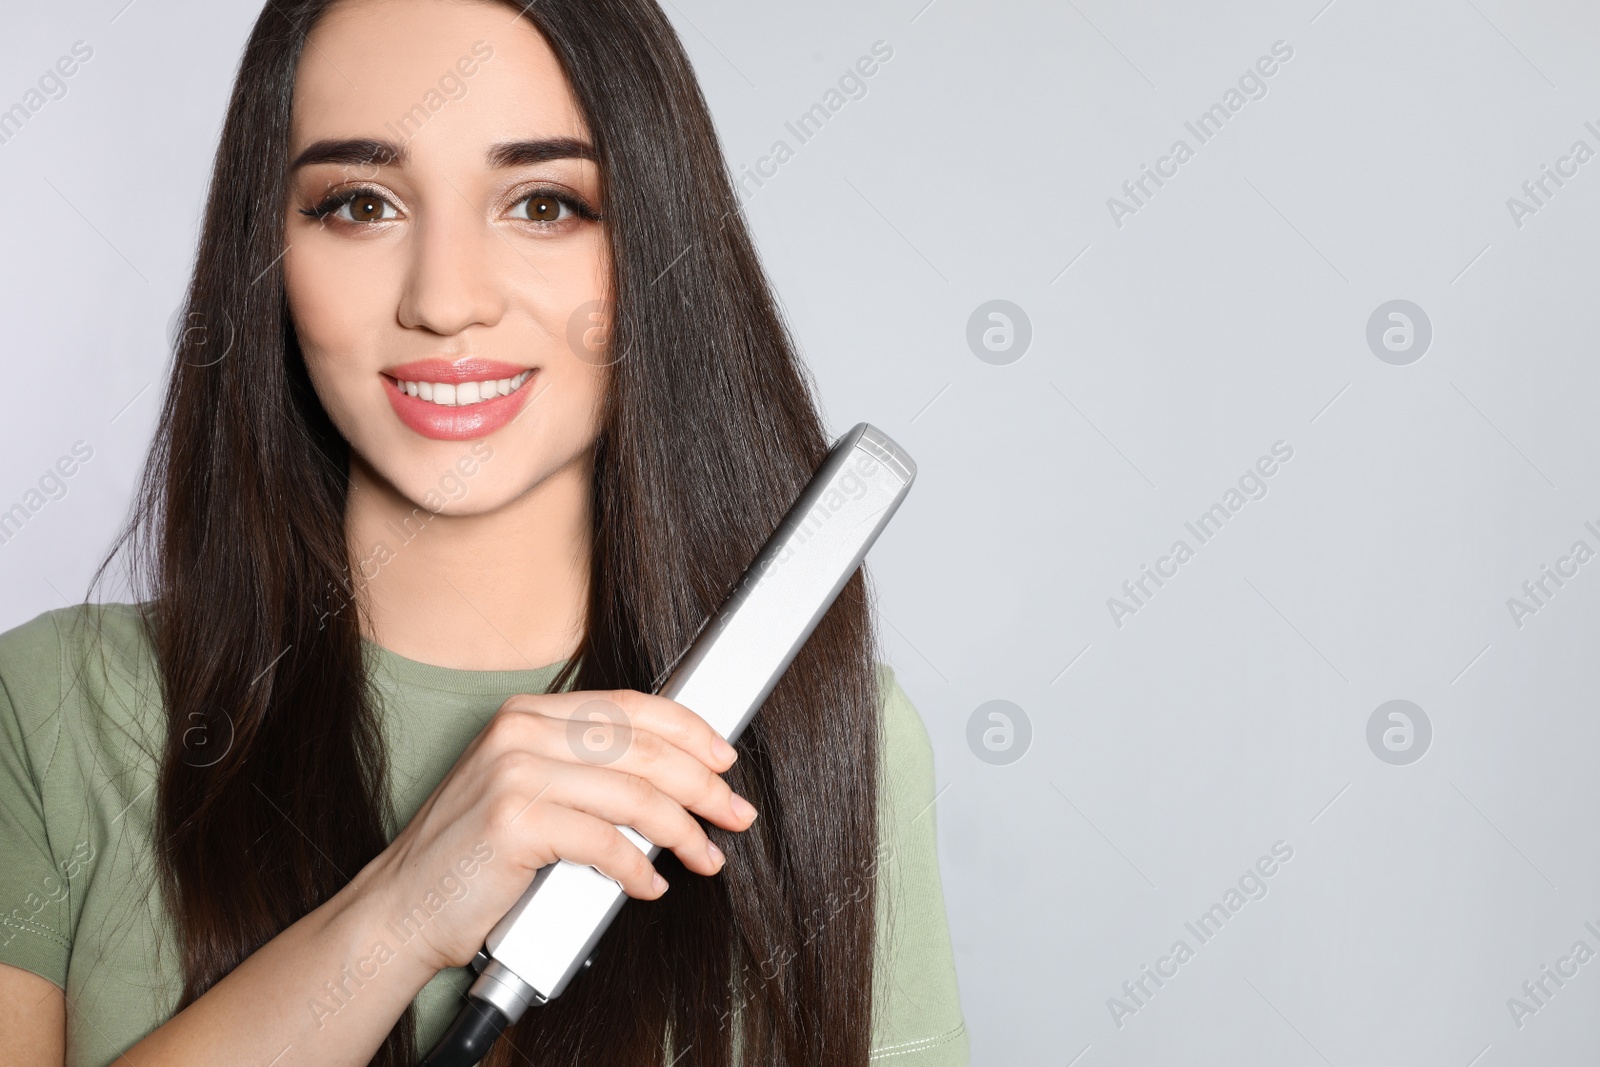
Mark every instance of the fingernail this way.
pixel 723 750
pixel 659 884
pixel 716 853
pixel 743 808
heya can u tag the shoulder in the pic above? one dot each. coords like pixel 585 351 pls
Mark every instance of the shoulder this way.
pixel 72 763
pixel 907 753
pixel 52 643
pixel 917 1017
pixel 64 662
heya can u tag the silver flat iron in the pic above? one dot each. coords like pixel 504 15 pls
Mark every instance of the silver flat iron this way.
pixel 725 676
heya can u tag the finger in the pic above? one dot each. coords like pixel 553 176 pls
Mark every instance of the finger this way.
pixel 605 739
pixel 679 724
pixel 579 837
pixel 645 711
pixel 624 799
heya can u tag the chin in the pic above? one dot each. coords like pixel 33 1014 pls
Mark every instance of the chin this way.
pixel 476 477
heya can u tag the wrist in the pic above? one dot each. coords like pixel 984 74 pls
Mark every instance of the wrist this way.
pixel 362 914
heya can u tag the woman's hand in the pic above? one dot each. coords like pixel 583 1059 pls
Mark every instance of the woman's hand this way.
pixel 552 777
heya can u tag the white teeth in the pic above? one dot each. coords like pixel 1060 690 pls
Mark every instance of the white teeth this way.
pixel 453 394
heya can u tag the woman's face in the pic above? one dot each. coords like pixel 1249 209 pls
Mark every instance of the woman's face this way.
pixel 445 264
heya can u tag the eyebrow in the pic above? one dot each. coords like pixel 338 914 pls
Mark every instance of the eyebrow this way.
pixel 524 153
pixel 364 151
pixel 354 151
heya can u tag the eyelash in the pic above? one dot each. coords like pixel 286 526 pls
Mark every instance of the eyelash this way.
pixel 347 196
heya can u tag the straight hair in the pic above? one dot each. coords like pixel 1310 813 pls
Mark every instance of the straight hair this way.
pixel 709 429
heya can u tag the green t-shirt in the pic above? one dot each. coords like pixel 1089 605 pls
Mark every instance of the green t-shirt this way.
pixel 81 729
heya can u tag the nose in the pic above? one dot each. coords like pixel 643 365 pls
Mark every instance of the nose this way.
pixel 453 280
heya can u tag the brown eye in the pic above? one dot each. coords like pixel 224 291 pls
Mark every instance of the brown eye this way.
pixel 354 205
pixel 366 208
pixel 544 208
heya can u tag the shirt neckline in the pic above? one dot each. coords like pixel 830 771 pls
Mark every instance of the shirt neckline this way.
pixel 412 672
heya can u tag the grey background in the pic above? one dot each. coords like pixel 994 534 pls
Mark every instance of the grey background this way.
pixel 1167 354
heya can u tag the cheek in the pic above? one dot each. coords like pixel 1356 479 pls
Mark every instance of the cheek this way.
pixel 566 299
pixel 337 323
pixel 570 312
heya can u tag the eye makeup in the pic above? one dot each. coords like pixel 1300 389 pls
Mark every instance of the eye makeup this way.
pixel 367 195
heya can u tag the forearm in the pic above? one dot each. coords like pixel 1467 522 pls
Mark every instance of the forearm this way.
pixel 323 993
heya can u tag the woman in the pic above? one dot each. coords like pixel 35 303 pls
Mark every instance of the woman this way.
pixel 481 406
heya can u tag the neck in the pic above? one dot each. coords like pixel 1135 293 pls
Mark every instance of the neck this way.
pixel 506 590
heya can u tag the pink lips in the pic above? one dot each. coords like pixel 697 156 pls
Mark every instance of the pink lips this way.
pixel 443 423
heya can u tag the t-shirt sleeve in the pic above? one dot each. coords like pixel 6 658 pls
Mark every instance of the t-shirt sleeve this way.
pixel 35 913
pixel 917 1020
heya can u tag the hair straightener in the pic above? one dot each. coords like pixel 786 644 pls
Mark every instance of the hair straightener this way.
pixel 724 676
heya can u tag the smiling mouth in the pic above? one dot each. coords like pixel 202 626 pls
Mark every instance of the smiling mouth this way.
pixel 463 394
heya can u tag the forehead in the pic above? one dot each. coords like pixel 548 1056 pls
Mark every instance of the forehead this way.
pixel 439 74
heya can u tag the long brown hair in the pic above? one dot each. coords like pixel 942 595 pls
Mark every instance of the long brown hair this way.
pixel 709 430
